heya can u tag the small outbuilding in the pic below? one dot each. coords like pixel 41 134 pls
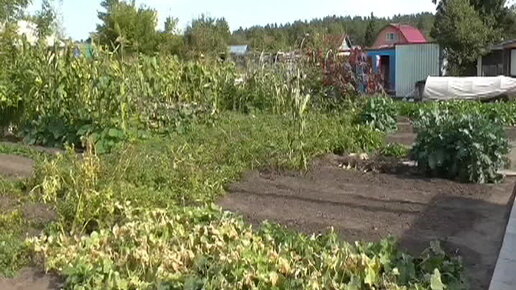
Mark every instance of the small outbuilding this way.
pixel 404 57
pixel 500 60
pixel 239 50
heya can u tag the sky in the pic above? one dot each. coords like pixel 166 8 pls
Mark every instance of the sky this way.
pixel 79 17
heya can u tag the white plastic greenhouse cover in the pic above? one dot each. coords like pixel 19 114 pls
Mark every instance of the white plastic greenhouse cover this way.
pixel 468 88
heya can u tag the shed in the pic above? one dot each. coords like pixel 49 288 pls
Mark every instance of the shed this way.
pixel 500 60
pixel 238 50
pixel 383 61
pixel 404 58
pixel 414 63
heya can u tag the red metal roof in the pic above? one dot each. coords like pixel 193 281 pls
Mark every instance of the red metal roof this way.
pixel 412 34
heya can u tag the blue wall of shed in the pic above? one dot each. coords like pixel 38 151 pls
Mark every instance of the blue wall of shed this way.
pixel 391 53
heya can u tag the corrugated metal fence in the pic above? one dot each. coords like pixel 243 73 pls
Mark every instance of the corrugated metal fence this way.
pixel 414 63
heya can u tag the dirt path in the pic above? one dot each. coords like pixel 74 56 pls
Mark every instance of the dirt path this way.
pixel 12 166
pixel 31 279
pixel 467 218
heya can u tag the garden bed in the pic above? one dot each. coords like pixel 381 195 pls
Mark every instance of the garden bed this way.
pixel 470 220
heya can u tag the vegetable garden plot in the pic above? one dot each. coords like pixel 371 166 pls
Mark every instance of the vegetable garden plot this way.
pixel 469 219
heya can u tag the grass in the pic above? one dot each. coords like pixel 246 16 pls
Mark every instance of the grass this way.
pixel 22 150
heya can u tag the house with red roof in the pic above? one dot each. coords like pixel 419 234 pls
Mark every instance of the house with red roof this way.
pixel 394 34
pixel 403 56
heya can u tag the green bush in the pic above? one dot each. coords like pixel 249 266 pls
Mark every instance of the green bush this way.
pixel 380 114
pixel 469 147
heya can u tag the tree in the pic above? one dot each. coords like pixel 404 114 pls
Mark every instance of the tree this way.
pixel 131 28
pixel 208 36
pixel 45 20
pixel 106 33
pixel 370 34
pixel 171 24
pixel 11 9
pixel 462 33
pixel 275 37
pixel 496 14
pixel 170 42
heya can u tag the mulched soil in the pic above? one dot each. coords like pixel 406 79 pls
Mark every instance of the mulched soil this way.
pixel 470 220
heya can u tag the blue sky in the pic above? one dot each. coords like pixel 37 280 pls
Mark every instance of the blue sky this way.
pixel 79 17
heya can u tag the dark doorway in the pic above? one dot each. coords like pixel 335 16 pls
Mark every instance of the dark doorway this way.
pixel 385 68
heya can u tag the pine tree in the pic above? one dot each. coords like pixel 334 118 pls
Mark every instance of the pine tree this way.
pixel 370 33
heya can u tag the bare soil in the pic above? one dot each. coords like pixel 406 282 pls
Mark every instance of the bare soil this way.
pixel 12 166
pixel 31 279
pixel 470 220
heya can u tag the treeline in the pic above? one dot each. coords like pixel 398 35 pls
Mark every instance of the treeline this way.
pixel 275 37
pixel 465 29
pixel 126 26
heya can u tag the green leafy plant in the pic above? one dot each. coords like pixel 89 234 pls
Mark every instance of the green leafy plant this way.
pixel 470 148
pixel 380 114
pixel 205 248
pixel 499 112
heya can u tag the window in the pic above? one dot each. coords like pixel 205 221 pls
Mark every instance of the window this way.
pixel 391 37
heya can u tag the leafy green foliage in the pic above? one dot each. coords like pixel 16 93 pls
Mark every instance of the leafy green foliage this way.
pixel 192 167
pixel 380 114
pixel 114 229
pixel 11 9
pixel 371 31
pixel 131 28
pixel 204 248
pixel 45 20
pixel 14 254
pixel 208 36
pixel 501 112
pixel 469 147
pixel 64 101
pixel 280 37
pixel 462 33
